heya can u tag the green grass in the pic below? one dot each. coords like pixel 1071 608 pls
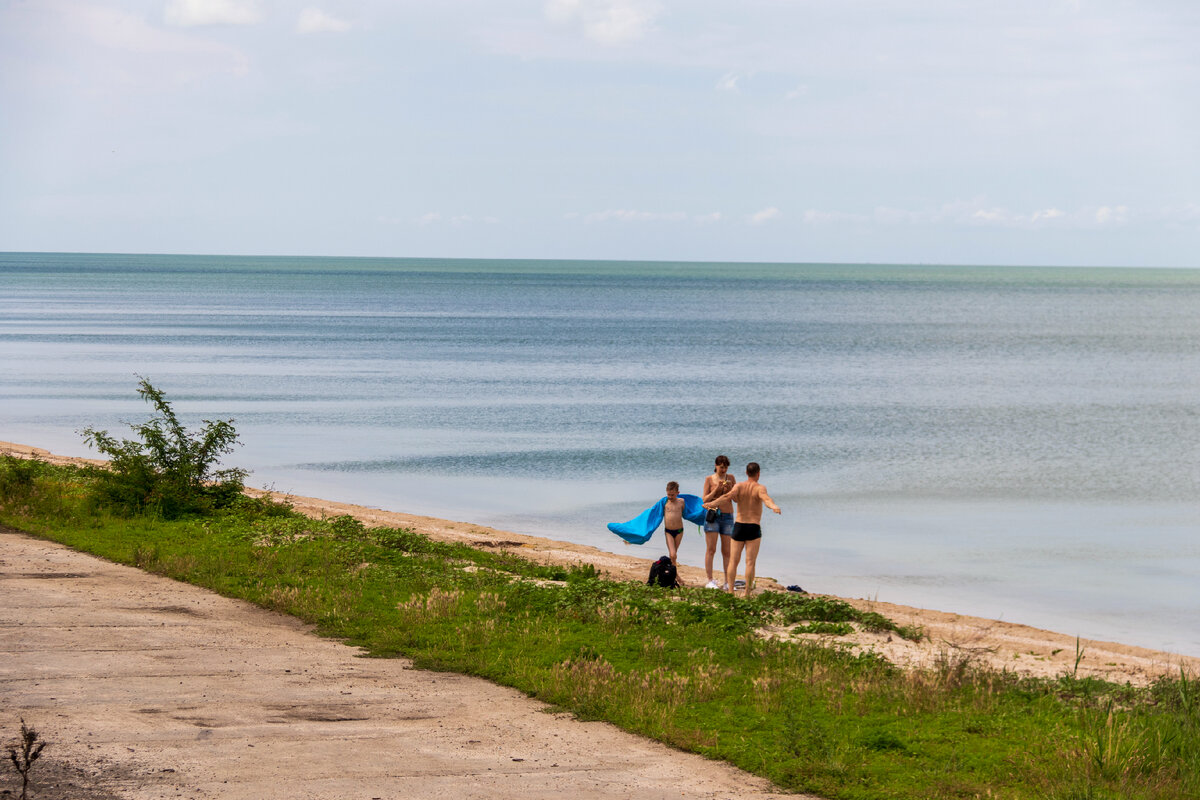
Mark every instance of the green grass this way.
pixel 689 668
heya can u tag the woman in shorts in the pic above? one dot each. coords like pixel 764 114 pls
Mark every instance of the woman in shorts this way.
pixel 718 526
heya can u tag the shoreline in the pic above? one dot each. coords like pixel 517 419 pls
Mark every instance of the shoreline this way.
pixel 949 637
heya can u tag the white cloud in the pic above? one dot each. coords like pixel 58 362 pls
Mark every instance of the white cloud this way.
pixel 764 216
pixel 457 220
pixel 1111 215
pixel 728 82
pixel 1047 215
pixel 606 22
pixel 990 216
pixel 190 13
pixel 815 217
pixel 1184 216
pixel 976 213
pixel 630 215
pixel 900 216
pixel 156 57
pixel 1042 218
pixel 1189 212
pixel 314 20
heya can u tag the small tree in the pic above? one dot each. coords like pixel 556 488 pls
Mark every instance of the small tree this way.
pixel 168 469
pixel 31 750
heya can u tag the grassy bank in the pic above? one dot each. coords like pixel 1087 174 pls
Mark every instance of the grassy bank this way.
pixel 691 668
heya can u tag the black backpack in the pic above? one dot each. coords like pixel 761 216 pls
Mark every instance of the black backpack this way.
pixel 664 574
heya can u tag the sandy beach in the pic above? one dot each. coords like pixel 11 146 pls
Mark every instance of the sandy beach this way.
pixel 151 688
pixel 1001 645
pixel 998 644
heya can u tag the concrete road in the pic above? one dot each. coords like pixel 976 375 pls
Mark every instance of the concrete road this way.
pixel 149 688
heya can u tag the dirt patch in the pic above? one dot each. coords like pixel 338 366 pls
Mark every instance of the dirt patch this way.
pixel 191 612
pixel 54 779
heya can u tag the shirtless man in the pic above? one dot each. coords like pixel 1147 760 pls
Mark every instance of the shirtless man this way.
pixel 750 496
pixel 718 482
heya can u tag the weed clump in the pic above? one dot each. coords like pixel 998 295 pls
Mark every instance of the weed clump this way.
pixel 167 470
pixel 17 476
pixel 25 754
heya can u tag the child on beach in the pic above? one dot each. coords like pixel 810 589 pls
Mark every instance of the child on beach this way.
pixel 673 521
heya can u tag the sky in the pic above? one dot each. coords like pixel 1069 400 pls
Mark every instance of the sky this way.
pixel 1038 132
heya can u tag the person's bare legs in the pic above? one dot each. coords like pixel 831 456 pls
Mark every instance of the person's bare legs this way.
pixel 673 540
pixel 735 554
pixel 710 551
pixel 725 555
pixel 751 559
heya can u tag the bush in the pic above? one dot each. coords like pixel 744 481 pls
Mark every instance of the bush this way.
pixel 167 470
pixel 17 475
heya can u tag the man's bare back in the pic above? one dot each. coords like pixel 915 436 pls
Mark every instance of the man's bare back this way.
pixel 750 496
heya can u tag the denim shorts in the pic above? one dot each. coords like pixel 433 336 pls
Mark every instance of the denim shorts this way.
pixel 723 524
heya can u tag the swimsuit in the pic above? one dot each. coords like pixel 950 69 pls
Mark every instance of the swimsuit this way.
pixel 676 532
pixel 746 531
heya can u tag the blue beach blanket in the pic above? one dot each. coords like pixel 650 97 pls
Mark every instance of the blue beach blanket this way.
pixel 639 529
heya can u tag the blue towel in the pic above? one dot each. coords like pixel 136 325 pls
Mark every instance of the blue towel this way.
pixel 639 529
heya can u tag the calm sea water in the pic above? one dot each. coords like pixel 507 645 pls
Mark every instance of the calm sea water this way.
pixel 1014 443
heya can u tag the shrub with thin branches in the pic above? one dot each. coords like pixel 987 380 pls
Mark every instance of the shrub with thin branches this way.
pixel 167 469
pixel 29 751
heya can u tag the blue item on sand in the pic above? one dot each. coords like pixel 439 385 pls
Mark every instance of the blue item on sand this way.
pixel 639 529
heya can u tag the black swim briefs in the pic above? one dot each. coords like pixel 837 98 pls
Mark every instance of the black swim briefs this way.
pixel 673 532
pixel 746 531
